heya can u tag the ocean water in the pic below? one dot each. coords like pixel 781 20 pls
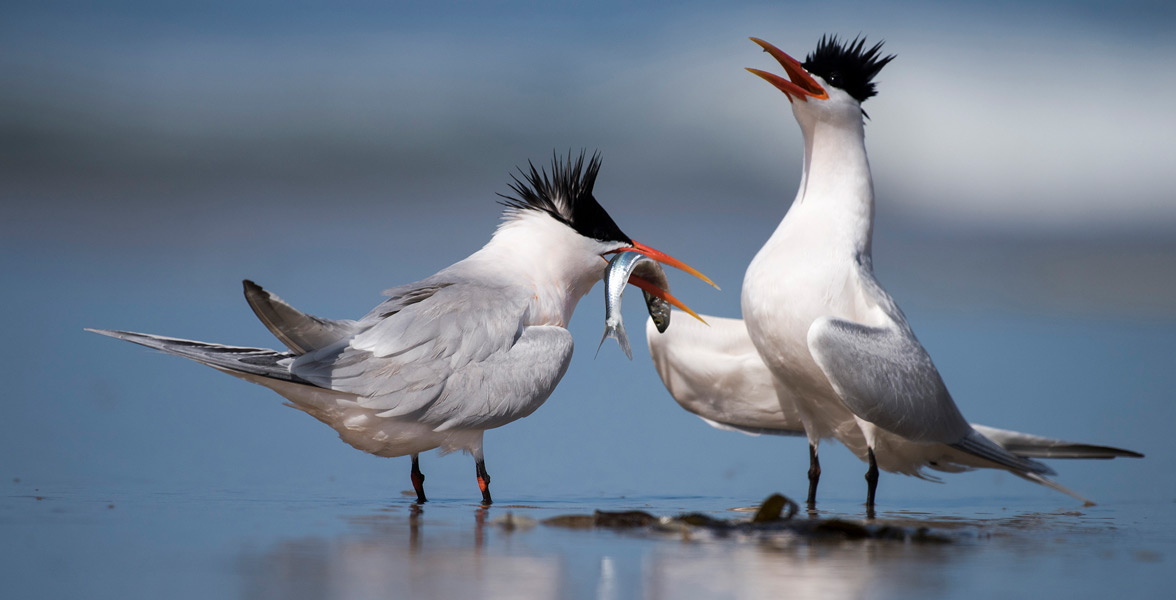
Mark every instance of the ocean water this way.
pixel 131 474
pixel 331 543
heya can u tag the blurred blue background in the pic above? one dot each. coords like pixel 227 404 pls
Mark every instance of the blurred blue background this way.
pixel 154 154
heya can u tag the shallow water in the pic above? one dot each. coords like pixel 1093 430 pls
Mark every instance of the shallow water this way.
pixel 142 542
pixel 129 475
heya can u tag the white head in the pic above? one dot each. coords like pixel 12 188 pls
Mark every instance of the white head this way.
pixel 557 232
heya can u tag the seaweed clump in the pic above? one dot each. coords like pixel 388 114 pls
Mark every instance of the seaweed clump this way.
pixel 776 515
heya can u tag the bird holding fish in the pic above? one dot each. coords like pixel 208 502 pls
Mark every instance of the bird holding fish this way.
pixel 473 347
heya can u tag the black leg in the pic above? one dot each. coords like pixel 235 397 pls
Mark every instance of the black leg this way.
pixel 418 480
pixel 871 481
pixel 484 482
pixel 814 474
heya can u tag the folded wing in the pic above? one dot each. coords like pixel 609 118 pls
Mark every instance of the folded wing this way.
pixel 444 353
pixel 885 376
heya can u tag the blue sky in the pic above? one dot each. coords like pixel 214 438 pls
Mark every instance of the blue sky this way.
pixel 153 155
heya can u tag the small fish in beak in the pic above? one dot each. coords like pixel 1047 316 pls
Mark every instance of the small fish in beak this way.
pixel 646 273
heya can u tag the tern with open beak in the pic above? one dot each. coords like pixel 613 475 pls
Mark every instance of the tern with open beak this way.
pixel 823 350
pixel 476 346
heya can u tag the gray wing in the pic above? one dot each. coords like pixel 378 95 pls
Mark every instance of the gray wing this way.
pixel 716 373
pixel 1036 446
pixel 419 355
pixel 299 331
pixel 885 376
pixel 506 385
pixel 230 359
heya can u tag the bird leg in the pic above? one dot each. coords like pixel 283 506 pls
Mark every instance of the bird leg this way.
pixel 484 482
pixel 814 475
pixel 871 480
pixel 418 480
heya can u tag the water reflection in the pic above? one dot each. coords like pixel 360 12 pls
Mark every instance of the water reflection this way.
pixel 453 551
pixel 768 570
pixel 391 554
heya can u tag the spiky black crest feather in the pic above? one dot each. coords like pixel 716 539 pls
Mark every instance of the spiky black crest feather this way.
pixel 566 195
pixel 848 65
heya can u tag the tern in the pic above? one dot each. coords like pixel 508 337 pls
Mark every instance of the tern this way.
pixel 478 345
pixel 717 374
pixel 823 350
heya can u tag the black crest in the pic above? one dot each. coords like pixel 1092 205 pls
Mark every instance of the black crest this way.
pixel 848 65
pixel 566 195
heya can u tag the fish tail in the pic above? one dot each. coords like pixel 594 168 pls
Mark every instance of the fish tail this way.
pixel 618 333
pixel 623 340
pixel 607 329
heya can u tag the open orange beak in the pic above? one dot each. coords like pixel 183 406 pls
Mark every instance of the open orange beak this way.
pixel 652 289
pixel 666 259
pixel 802 85
pixel 655 291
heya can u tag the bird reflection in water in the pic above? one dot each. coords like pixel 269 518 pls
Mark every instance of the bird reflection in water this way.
pixel 433 552
pixel 390 554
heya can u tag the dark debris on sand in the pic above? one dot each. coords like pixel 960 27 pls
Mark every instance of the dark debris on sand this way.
pixel 769 519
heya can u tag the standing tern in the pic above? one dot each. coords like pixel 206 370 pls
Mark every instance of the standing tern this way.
pixel 824 350
pixel 478 345
pixel 717 374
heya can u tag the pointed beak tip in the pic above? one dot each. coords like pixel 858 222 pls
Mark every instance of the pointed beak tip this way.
pixel 800 84
pixel 654 290
pixel 666 259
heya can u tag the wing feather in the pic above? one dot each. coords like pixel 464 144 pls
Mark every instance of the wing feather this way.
pixel 1036 446
pixel 419 352
pixel 507 385
pixel 299 331
pixel 887 378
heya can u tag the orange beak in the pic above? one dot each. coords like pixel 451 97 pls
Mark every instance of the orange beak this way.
pixel 666 259
pixel 802 85
pixel 653 290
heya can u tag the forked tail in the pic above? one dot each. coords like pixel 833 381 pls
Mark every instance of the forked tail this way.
pixel 1029 447
pixel 233 359
pixel 617 332
pixel 1035 446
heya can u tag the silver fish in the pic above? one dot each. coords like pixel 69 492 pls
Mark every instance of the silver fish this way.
pixel 615 278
